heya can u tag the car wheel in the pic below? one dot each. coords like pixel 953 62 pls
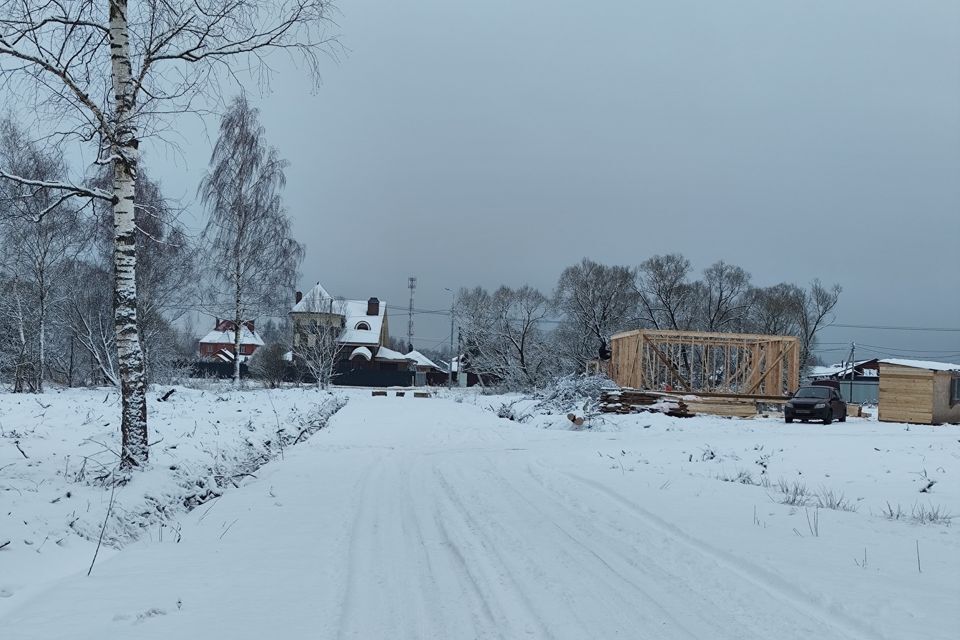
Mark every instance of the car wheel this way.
pixel 843 418
pixel 788 420
pixel 828 418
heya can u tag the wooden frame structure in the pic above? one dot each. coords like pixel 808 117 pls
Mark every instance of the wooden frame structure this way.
pixel 728 364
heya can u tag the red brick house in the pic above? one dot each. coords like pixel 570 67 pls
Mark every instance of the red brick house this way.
pixel 219 343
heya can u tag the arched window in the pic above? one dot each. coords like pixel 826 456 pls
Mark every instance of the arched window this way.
pixel 363 325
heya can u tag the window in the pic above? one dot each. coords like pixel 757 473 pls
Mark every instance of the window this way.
pixel 954 390
pixel 363 325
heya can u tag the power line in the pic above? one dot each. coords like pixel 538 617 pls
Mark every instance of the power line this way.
pixel 891 328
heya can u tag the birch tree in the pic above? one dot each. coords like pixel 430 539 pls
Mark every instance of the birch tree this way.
pixel 252 256
pixel 41 236
pixel 110 73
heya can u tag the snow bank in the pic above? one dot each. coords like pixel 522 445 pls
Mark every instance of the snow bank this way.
pixel 58 464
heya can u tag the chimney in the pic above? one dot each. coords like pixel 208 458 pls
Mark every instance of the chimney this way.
pixel 299 297
pixel 373 307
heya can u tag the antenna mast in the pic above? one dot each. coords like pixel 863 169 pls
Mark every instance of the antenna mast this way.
pixel 412 285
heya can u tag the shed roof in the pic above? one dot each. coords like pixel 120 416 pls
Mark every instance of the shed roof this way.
pixel 923 364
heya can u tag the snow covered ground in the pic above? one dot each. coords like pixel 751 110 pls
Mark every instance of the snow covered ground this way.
pixel 434 518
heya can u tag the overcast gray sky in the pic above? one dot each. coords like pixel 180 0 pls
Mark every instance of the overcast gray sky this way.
pixel 496 142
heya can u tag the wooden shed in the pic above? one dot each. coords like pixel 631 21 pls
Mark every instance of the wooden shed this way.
pixel 738 364
pixel 919 392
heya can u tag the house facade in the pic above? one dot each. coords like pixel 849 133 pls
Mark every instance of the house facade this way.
pixel 353 333
pixel 219 343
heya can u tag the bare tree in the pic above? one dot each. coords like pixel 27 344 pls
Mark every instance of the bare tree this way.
pixel 40 236
pixel 666 295
pixel 111 74
pixel 724 301
pixel 596 300
pixel 503 337
pixel 775 310
pixel 252 253
pixel 318 348
pixel 818 303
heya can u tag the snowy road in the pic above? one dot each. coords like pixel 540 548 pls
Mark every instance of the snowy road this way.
pixel 413 518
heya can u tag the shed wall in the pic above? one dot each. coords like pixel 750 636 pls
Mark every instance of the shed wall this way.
pixel 942 411
pixel 906 394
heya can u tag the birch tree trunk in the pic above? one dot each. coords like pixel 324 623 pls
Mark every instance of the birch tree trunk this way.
pixel 133 423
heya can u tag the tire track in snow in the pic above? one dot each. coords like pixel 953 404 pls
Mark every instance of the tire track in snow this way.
pixel 763 580
pixel 489 572
pixel 357 561
pixel 592 562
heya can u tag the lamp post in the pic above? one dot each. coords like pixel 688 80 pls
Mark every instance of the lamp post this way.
pixel 453 302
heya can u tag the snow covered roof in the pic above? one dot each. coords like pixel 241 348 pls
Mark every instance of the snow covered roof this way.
pixel 384 353
pixel 316 300
pixel 923 364
pixel 422 360
pixel 840 369
pixel 227 337
pixel 363 352
pixel 359 328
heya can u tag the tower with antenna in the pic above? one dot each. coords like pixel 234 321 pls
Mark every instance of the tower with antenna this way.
pixel 412 285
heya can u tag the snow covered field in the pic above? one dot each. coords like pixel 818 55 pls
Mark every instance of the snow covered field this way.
pixel 434 518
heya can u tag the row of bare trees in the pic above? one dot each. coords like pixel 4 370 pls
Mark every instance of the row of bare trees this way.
pixel 523 336
pixel 104 75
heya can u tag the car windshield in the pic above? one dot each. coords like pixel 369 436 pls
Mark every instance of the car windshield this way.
pixel 813 392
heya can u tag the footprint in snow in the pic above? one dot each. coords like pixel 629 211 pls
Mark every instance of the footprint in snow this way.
pixel 5 593
pixel 143 616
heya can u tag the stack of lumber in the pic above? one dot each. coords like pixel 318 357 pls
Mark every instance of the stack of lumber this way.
pixel 636 401
pixel 731 407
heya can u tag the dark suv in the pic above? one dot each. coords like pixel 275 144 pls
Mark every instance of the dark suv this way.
pixel 816 403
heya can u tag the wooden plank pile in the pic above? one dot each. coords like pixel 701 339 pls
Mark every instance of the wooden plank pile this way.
pixel 635 401
pixel 680 406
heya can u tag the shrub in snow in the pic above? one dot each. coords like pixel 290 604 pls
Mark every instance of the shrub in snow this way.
pixel 571 392
pixel 828 499
pixel 795 494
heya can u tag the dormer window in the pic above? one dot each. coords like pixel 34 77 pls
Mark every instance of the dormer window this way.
pixel 364 326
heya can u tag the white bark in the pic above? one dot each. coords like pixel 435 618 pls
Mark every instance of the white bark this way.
pixel 133 424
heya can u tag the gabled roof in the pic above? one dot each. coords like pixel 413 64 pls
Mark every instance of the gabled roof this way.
pixel 422 360
pixel 923 364
pixel 317 300
pixel 227 337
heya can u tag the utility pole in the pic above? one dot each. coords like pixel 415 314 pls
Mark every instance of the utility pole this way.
pixel 853 364
pixel 412 285
pixel 453 303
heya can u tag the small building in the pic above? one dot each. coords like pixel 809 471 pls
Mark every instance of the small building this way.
pixel 919 391
pixel 859 383
pixel 219 344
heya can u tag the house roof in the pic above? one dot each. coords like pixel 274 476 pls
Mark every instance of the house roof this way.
pixel 317 300
pixel 840 369
pixel 314 301
pixel 422 360
pixel 923 364
pixel 383 353
pixel 227 337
